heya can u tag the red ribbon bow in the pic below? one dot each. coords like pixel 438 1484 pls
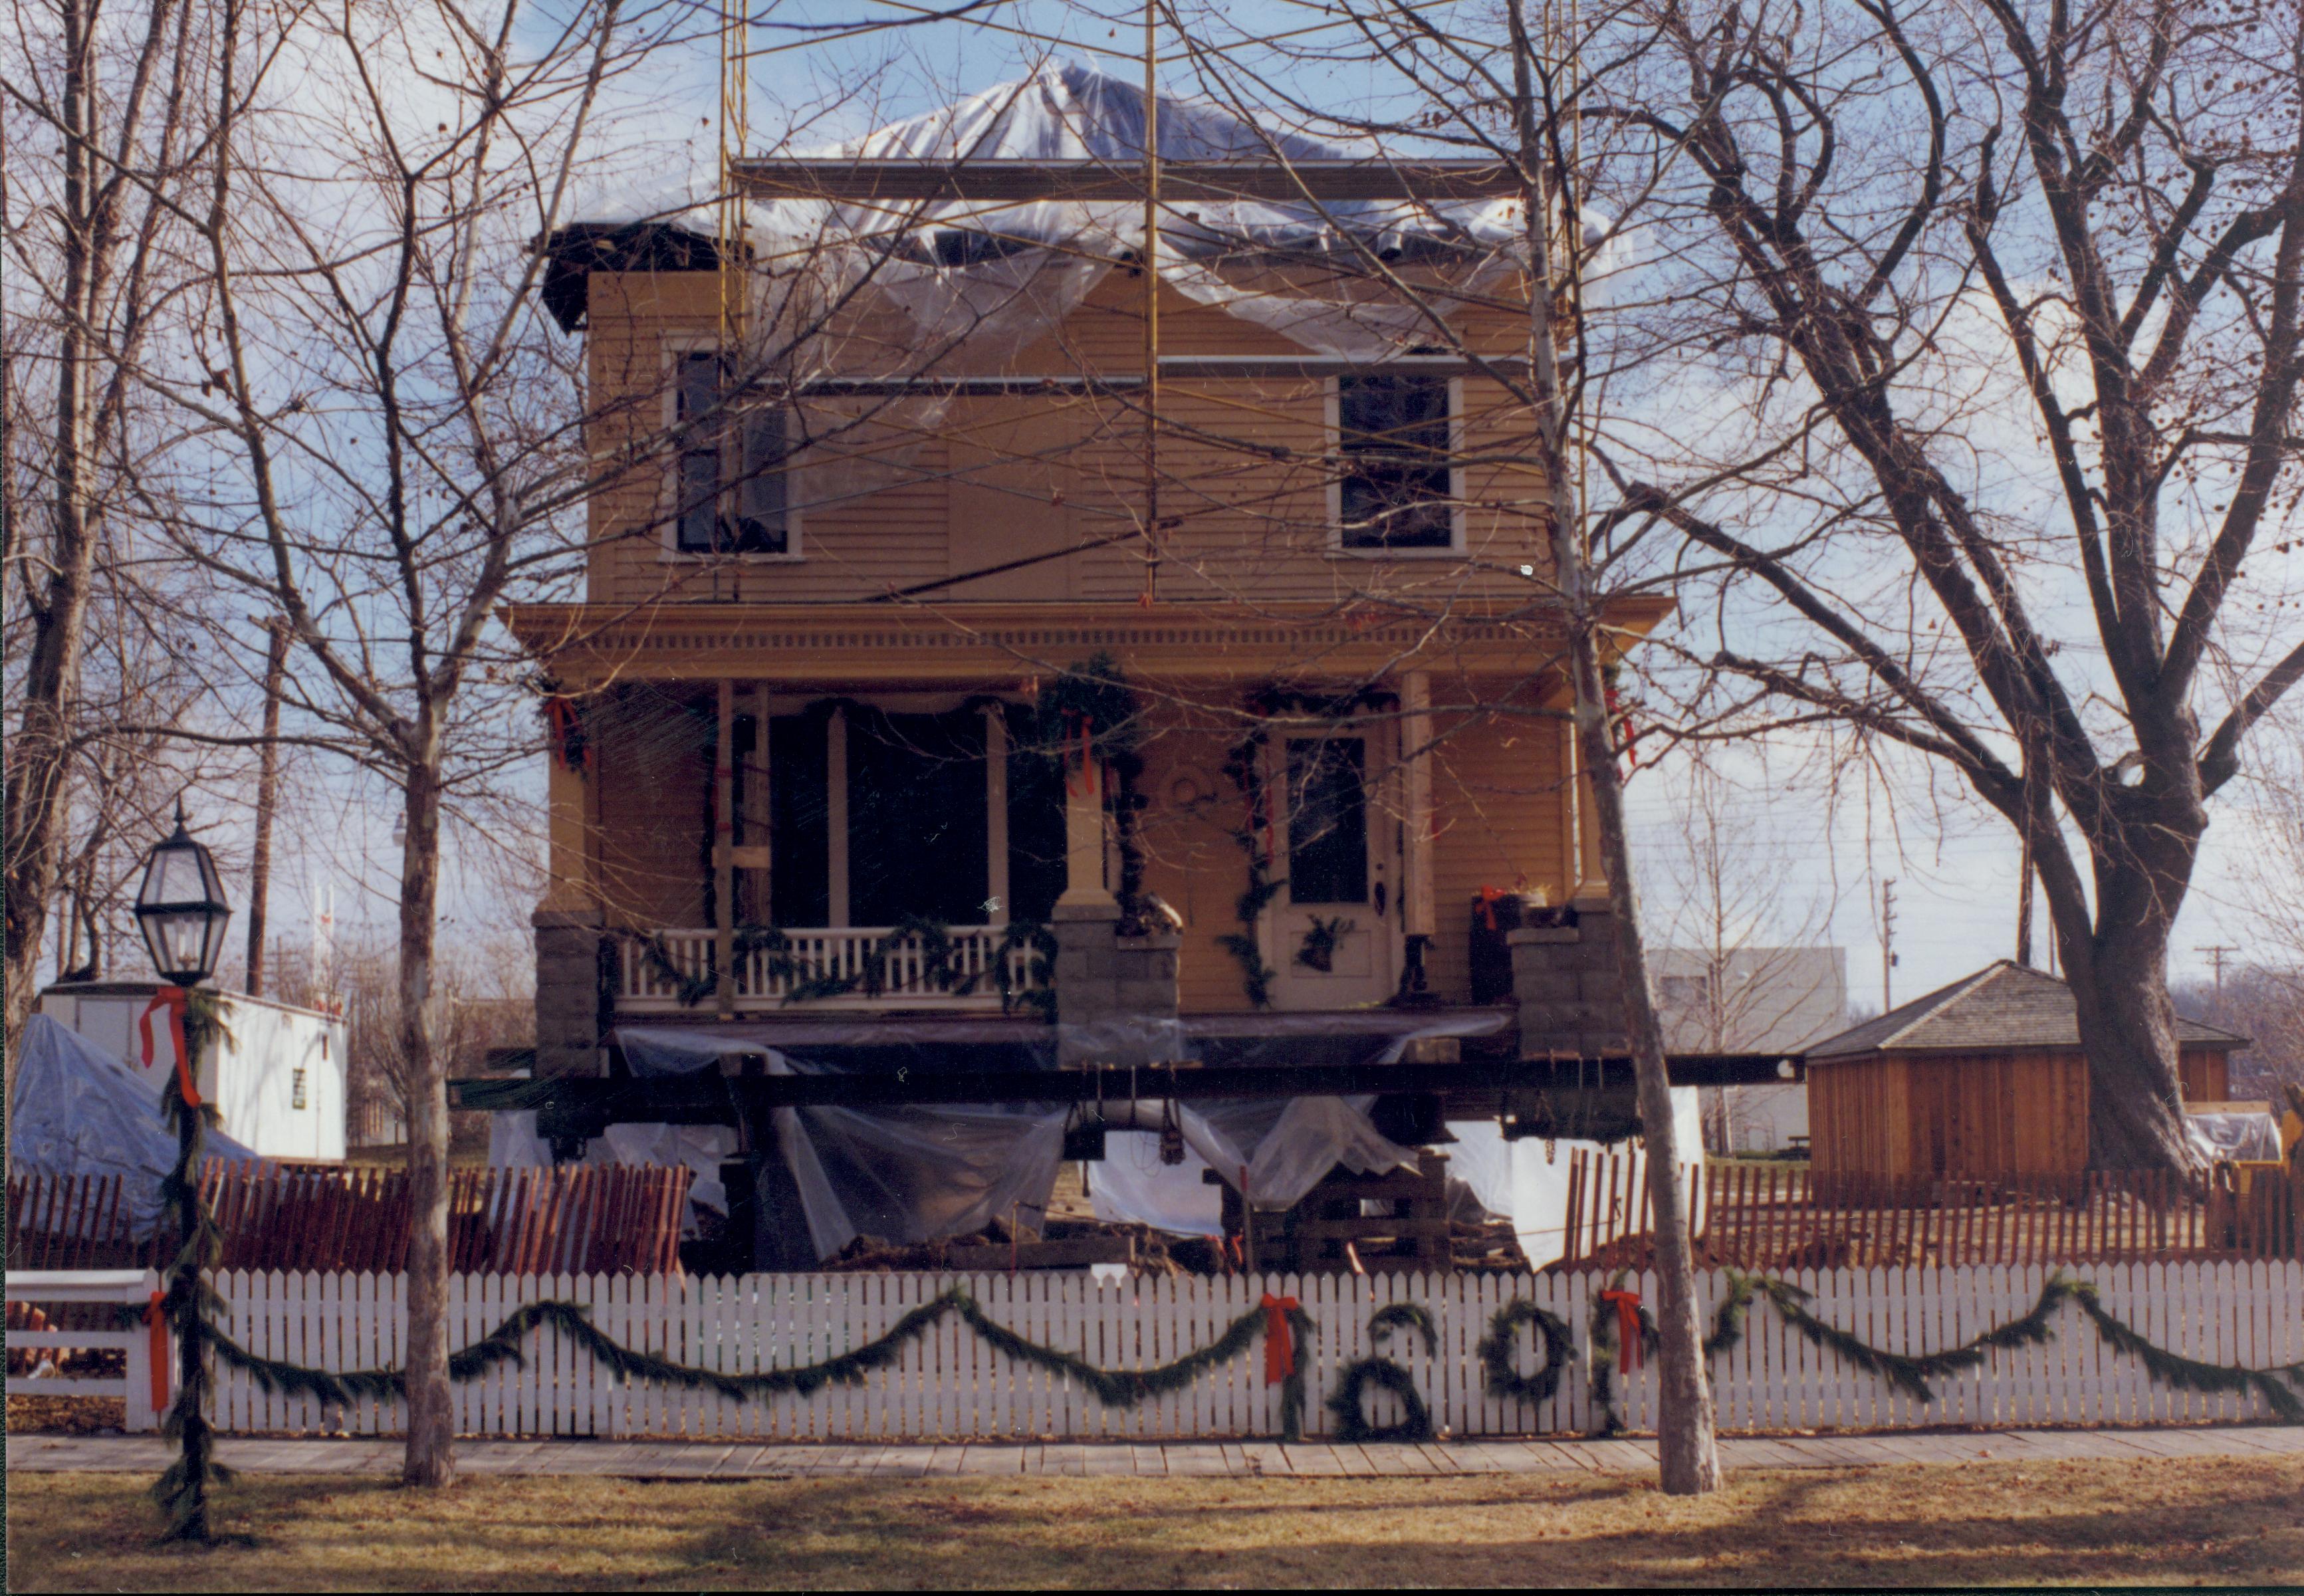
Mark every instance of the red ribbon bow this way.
pixel 1279 1340
pixel 1489 897
pixel 1087 787
pixel 172 1001
pixel 567 731
pixel 159 1329
pixel 1628 1329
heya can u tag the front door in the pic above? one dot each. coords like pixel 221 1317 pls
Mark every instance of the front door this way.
pixel 1329 933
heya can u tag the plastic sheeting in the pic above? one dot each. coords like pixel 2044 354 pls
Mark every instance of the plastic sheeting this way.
pixel 1514 1180
pixel 2220 1136
pixel 1275 1150
pixel 81 1110
pixel 513 1143
pixel 995 279
pixel 906 1176
pixel 1130 1186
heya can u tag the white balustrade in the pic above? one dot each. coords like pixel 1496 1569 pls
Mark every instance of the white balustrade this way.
pixel 830 967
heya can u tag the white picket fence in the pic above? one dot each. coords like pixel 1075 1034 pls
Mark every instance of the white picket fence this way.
pixel 949 1384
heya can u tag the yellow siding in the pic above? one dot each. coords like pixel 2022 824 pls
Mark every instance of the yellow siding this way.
pixel 1497 800
pixel 896 493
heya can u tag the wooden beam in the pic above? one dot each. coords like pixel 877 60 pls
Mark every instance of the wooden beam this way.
pixel 1013 182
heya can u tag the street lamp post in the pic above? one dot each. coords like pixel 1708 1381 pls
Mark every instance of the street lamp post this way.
pixel 181 908
pixel 182 911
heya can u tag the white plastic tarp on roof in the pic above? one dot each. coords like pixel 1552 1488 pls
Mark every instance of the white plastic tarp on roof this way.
pixel 995 277
pixel 81 1110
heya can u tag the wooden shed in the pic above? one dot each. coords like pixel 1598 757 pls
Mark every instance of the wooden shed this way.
pixel 1979 1079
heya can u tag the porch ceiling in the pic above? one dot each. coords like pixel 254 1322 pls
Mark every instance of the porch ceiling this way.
pixel 992 644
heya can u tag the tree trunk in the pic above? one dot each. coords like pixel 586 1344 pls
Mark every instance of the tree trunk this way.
pixel 2119 980
pixel 267 779
pixel 431 1459
pixel 1687 1450
pixel 39 754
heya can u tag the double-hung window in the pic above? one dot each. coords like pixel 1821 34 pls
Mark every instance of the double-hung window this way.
pixel 733 458
pixel 1396 456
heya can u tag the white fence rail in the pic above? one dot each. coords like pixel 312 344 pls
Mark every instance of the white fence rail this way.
pixel 948 1384
pixel 46 1289
pixel 966 977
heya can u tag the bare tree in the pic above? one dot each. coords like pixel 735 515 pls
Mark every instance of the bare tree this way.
pixel 105 128
pixel 1738 963
pixel 1512 88
pixel 403 440
pixel 1865 215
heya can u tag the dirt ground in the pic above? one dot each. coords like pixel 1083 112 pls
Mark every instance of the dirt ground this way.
pixel 2215 1521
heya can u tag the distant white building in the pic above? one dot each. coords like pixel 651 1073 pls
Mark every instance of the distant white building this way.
pixel 1750 1000
pixel 275 1072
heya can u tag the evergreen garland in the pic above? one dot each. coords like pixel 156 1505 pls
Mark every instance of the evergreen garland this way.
pixel 186 1303
pixel 1911 1373
pixel 1095 697
pixel 1243 766
pixel 1115 1388
pixel 1497 1350
pixel 1353 1378
pixel 1410 1316
pixel 1603 1353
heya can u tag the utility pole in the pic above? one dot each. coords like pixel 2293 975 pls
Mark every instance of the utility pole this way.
pixel 1887 943
pixel 2216 953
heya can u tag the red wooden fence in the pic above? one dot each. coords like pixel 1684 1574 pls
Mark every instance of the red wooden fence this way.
pixel 1750 1215
pixel 273 1217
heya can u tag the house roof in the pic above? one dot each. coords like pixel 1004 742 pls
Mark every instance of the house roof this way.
pixel 1009 266
pixel 2003 1006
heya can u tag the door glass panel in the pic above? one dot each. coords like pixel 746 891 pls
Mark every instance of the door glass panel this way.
pixel 1327 820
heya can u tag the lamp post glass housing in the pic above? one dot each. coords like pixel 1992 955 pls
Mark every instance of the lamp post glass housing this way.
pixel 181 909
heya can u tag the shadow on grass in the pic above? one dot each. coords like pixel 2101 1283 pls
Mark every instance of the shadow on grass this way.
pixel 2215 1520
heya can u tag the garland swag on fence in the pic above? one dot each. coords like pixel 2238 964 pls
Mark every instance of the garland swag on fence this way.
pixel 1911 1373
pixel 1115 1388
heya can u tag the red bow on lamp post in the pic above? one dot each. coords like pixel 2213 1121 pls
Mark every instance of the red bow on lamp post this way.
pixel 1628 1329
pixel 172 1002
pixel 1279 1340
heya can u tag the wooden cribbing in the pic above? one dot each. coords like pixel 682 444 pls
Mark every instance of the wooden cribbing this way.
pixel 274 1217
pixel 1757 1215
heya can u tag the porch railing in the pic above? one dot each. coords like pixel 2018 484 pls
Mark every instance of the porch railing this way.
pixel 849 967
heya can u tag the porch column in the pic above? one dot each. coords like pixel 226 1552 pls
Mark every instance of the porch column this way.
pixel 724 854
pixel 1085 895
pixel 573 980
pixel 1417 915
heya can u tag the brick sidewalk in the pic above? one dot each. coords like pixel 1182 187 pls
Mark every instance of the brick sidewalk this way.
pixel 722 1460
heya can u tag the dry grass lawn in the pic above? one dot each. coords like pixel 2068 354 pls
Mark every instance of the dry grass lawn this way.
pixel 2177 1522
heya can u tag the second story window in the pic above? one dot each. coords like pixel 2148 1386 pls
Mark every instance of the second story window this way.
pixel 732 459
pixel 1393 435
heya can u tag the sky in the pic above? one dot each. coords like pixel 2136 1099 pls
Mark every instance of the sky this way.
pixel 1955 868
